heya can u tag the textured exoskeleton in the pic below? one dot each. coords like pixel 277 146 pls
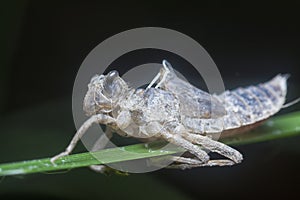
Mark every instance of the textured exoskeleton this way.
pixel 178 112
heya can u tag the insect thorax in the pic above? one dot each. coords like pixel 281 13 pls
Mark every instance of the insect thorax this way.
pixel 151 105
pixel 161 106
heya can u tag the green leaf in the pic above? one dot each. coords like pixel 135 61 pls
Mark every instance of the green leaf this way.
pixel 274 128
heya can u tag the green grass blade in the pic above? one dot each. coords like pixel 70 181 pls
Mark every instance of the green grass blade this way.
pixel 275 128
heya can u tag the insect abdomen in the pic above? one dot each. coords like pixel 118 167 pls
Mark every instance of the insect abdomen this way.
pixel 248 105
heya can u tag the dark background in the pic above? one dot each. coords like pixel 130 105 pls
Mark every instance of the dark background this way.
pixel 43 43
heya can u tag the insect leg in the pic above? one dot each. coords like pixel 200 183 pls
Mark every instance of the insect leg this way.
pixel 214 146
pixel 188 163
pixel 100 144
pixel 210 163
pixel 99 118
pixel 178 140
pixel 165 160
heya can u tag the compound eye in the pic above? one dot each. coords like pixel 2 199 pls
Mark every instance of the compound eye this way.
pixel 108 86
pixel 112 75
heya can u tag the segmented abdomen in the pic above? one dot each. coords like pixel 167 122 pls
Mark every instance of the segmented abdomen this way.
pixel 249 105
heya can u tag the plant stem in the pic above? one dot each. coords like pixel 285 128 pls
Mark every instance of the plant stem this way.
pixel 274 128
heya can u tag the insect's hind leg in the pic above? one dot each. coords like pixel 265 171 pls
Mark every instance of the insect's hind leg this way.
pixel 182 138
pixel 188 163
pixel 210 163
pixel 165 160
pixel 99 118
pixel 179 141
pixel 214 146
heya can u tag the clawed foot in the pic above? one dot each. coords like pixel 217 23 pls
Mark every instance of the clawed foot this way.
pixel 53 159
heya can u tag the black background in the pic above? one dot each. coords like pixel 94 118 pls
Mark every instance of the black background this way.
pixel 44 42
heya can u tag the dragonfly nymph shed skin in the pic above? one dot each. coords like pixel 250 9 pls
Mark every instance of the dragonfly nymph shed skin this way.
pixel 176 111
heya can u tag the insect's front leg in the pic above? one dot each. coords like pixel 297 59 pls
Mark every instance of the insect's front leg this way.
pixel 99 118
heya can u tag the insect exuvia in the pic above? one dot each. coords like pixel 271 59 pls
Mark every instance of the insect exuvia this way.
pixel 177 112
